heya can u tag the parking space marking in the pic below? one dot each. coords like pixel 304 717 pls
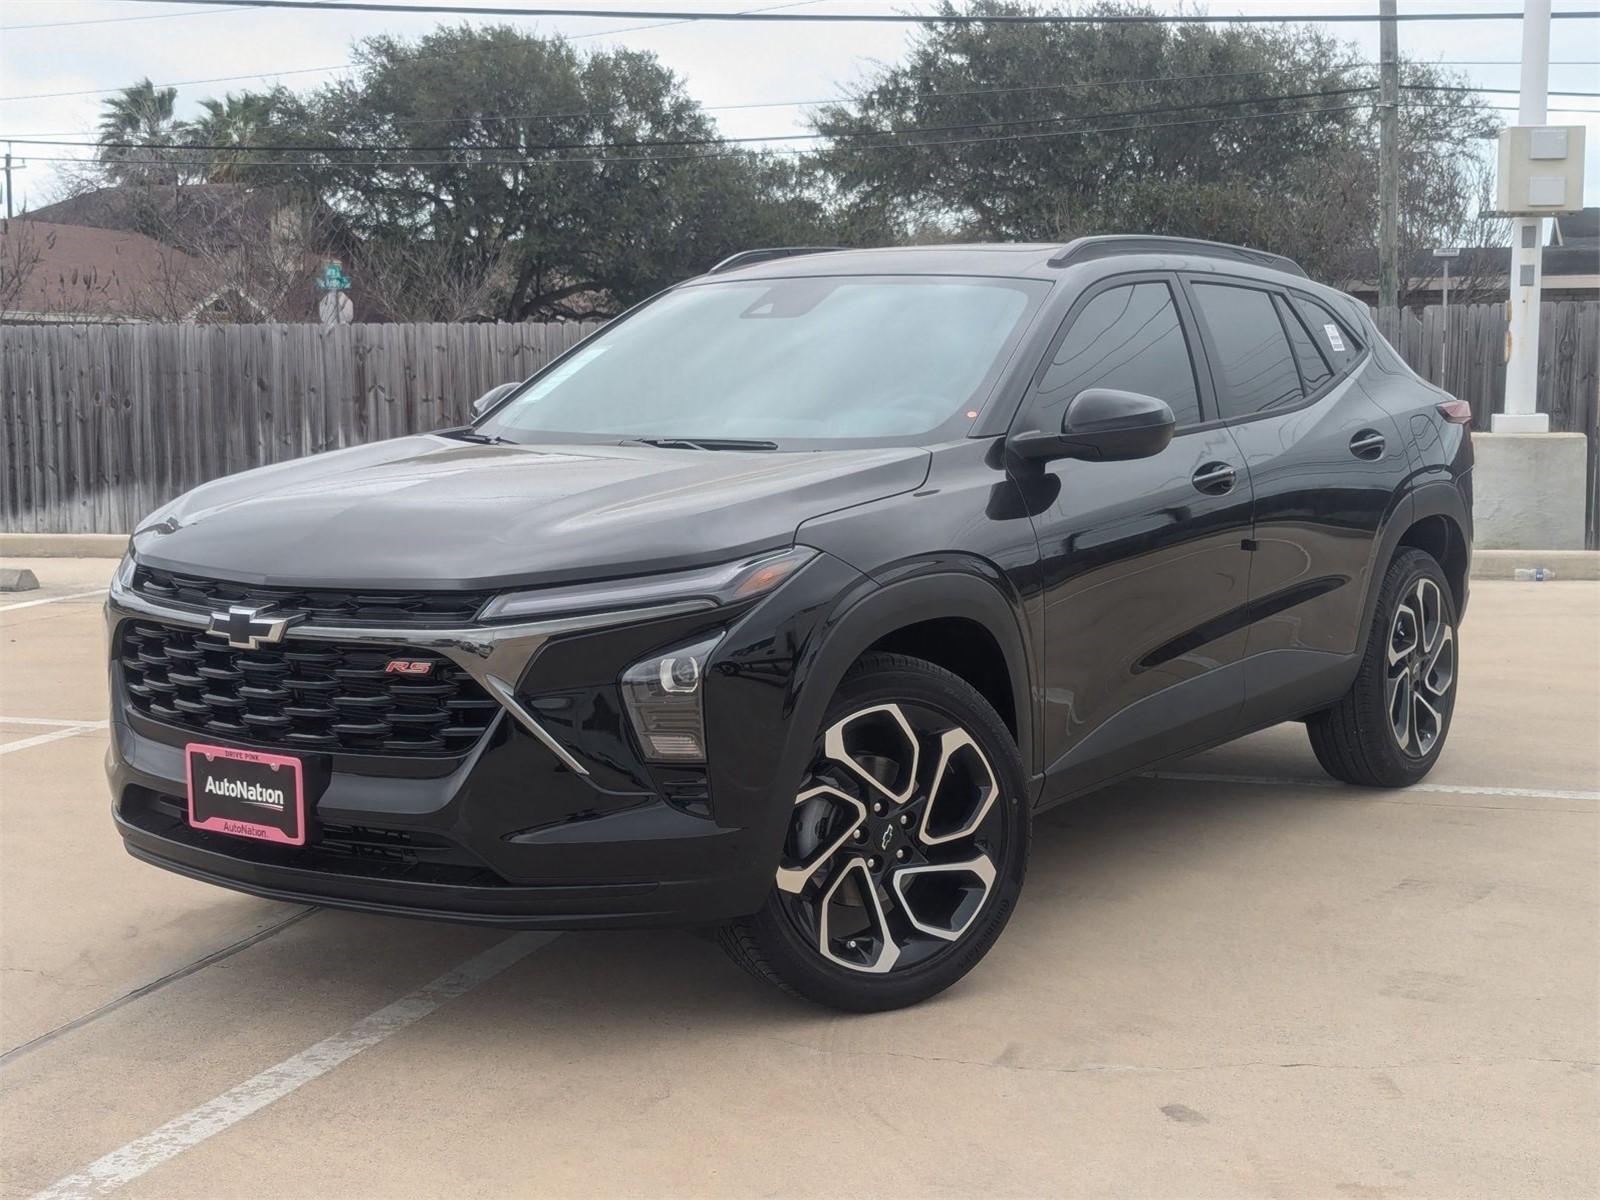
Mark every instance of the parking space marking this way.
pixel 99 591
pixel 55 735
pixel 1448 789
pixel 215 1116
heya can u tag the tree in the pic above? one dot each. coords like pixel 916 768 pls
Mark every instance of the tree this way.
pixel 1253 134
pixel 233 123
pixel 143 114
pixel 458 135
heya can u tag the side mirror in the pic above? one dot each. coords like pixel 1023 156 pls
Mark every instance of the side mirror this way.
pixel 1104 425
pixel 490 398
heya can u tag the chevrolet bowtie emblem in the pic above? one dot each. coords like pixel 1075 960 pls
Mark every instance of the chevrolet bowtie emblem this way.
pixel 248 628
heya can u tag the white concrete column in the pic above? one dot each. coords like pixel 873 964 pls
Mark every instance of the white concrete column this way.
pixel 1520 413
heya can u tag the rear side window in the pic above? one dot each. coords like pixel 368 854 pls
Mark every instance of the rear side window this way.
pixel 1314 369
pixel 1254 366
pixel 1128 338
pixel 1332 335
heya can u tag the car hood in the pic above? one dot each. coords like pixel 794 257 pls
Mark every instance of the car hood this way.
pixel 434 512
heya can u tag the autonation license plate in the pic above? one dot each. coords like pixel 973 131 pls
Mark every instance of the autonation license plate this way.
pixel 247 794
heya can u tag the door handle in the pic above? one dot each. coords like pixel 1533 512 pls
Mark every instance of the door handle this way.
pixel 1214 478
pixel 1368 444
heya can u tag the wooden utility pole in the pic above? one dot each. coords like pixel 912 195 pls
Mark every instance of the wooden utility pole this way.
pixel 1388 169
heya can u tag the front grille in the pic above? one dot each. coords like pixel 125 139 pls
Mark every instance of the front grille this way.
pixel 305 695
pixel 322 606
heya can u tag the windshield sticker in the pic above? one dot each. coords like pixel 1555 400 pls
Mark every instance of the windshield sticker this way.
pixel 1334 339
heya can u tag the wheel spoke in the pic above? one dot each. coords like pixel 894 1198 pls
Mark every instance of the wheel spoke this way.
pixel 872 951
pixel 1405 634
pixel 1430 609
pixel 964 787
pixel 1400 698
pixel 794 879
pixel 876 729
pixel 1426 721
pixel 943 899
pixel 1440 671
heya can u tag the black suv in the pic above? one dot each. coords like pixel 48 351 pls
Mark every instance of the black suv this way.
pixel 781 604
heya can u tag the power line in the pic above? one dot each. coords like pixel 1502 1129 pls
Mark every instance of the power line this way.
pixel 116 20
pixel 341 148
pixel 387 6
pixel 1445 87
pixel 648 158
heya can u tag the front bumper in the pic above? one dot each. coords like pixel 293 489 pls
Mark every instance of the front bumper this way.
pixel 551 820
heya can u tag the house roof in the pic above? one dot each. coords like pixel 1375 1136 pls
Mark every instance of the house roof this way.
pixel 83 273
pixel 184 215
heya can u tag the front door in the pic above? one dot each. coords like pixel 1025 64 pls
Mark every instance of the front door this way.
pixel 1145 575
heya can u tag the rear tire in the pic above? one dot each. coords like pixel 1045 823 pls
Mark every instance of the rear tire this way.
pixel 1388 730
pixel 907 846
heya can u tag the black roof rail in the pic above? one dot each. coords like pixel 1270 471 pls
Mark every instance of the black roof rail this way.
pixel 1085 249
pixel 747 257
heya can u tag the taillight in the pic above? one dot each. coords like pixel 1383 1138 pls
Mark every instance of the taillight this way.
pixel 1457 412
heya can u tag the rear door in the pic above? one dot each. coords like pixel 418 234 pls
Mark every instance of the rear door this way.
pixel 1145 575
pixel 1326 464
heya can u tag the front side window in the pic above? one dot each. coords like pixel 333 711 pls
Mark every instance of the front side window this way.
pixel 807 359
pixel 1128 338
pixel 1253 364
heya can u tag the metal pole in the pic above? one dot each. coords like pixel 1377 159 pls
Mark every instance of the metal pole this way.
pixel 1521 408
pixel 1388 169
pixel 1444 354
pixel 8 181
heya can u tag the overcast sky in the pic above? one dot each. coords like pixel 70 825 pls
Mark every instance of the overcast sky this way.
pixel 722 64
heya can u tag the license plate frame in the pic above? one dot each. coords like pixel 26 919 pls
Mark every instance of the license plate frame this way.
pixel 253 788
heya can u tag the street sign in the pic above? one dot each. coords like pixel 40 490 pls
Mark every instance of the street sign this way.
pixel 333 278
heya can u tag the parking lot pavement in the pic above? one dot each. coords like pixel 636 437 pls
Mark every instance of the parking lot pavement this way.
pixel 1234 979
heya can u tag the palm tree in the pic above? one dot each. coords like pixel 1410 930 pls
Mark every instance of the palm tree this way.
pixel 135 125
pixel 233 122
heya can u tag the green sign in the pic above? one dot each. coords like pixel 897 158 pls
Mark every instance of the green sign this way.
pixel 333 278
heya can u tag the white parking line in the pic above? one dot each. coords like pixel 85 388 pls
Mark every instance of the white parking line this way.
pixel 51 722
pixel 52 600
pixel 44 739
pixel 124 1165
pixel 1448 789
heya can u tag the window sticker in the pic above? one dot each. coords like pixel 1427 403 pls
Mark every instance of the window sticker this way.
pixel 1334 339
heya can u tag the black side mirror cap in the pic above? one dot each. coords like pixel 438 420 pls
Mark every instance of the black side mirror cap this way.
pixel 1104 425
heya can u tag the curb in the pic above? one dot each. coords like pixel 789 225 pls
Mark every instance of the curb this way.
pixel 63 545
pixel 1563 564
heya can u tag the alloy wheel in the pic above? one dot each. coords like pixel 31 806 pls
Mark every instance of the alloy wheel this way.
pixel 896 839
pixel 1421 667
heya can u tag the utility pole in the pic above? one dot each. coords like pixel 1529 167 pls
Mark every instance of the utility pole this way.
pixel 1388 169
pixel 8 181
pixel 1521 409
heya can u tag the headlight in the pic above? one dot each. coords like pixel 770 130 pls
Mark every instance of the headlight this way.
pixel 725 583
pixel 664 696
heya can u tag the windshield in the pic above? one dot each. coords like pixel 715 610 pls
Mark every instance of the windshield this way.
pixel 802 359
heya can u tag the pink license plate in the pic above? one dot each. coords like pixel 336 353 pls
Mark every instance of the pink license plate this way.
pixel 247 793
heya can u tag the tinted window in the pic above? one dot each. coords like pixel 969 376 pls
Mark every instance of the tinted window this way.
pixel 1128 338
pixel 1332 335
pixel 840 357
pixel 1253 366
pixel 1314 369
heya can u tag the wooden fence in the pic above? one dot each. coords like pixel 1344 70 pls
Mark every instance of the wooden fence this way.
pixel 103 423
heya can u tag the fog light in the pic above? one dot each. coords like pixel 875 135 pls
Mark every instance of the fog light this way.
pixel 664 696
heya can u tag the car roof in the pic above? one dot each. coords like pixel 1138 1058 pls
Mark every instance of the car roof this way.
pixel 1027 260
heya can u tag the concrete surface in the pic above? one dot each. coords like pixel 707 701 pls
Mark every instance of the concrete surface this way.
pixel 1236 980
pixel 1529 490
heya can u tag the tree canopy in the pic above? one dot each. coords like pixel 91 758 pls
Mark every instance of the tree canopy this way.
pixel 484 172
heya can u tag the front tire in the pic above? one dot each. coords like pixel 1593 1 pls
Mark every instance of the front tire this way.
pixel 1389 728
pixel 906 849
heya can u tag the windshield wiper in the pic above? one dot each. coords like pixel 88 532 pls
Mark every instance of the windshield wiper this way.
pixel 472 435
pixel 705 443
